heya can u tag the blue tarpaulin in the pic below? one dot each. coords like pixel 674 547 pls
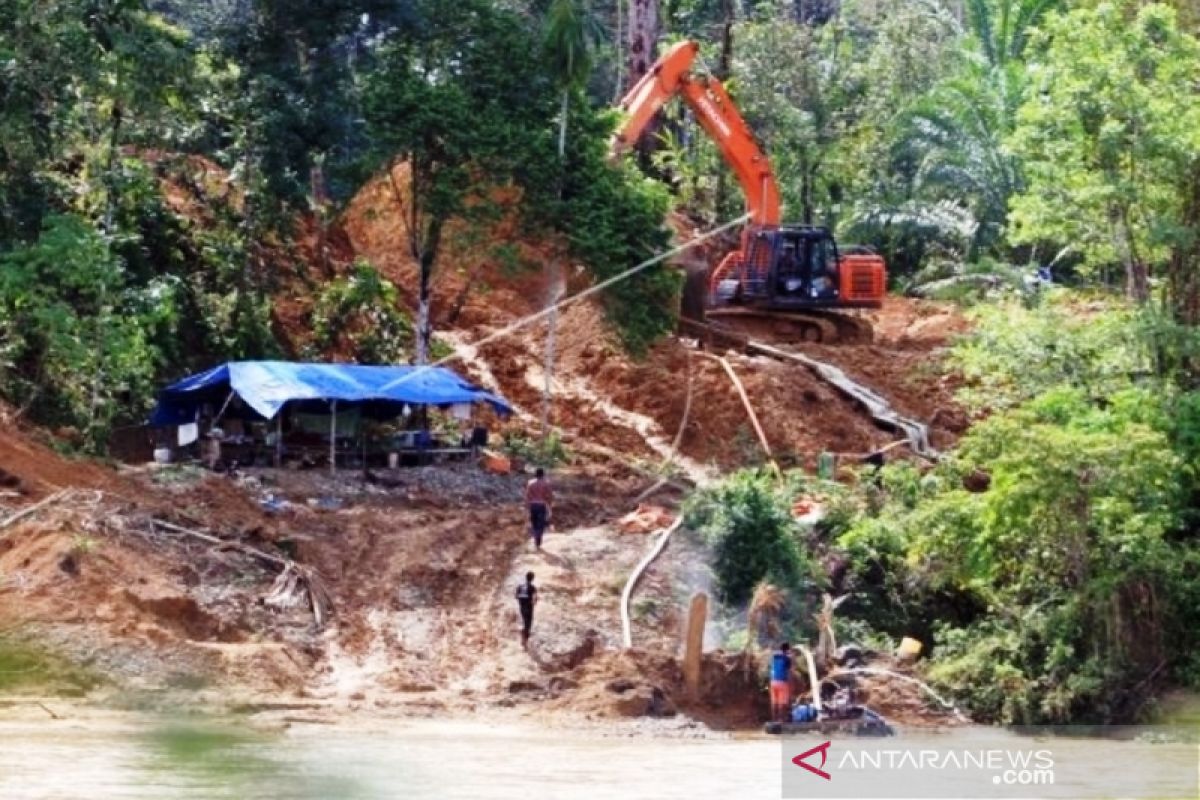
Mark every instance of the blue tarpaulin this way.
pixel 266 386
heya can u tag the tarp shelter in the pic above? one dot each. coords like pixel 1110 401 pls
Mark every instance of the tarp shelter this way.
pixel 266 386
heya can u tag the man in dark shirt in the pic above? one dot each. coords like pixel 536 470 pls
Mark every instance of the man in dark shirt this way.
pixel 538 496
pixel 526 600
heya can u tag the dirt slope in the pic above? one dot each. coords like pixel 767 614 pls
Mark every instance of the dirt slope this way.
pixel 495 276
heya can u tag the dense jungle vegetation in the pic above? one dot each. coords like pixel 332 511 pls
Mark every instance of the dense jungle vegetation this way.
pixel 1051 559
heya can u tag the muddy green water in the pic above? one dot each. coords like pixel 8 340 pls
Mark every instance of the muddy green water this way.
pixel 91 754
pixel 128 756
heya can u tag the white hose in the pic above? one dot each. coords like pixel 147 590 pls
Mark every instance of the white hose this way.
pixel 635 576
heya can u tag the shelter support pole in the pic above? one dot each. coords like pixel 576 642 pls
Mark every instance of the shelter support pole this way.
pixel 333 437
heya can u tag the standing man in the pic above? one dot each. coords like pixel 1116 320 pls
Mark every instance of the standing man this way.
pixel 526 600
pixel 538 496
pixel 781 683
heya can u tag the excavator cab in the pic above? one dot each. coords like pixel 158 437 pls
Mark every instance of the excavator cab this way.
pixel 799 267
pixel 805 266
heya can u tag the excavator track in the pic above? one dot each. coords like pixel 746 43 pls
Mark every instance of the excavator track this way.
pixel 810 325
pixel 745 322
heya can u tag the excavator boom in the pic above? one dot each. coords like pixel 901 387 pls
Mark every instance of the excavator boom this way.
pixel 672 76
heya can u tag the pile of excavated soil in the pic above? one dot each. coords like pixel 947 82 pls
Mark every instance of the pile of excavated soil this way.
pixel 141 610
pixel 30 468
pixel 919 324
pixel 801 415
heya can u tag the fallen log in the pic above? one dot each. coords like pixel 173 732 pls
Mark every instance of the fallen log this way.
pixel 294 583
pixel 216 540
pixel 58 496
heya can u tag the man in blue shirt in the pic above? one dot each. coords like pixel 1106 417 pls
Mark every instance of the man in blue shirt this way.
pixel 781 683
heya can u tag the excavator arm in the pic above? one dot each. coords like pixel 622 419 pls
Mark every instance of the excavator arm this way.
pixel 672 75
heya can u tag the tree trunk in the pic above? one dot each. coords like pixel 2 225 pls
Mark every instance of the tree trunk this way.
pixel 643 38
pixel 1183 276
pixel 110 189
pixel 644 29
pixel 562 124
pixel 320 199
pixel 807 178
pixel 724 70
pixel 553 286
pixel 423 328
pixel 1137 283
pixel 429 249
pixel 619 41
pixel 725 61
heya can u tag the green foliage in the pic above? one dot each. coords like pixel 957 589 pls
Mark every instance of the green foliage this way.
pixel 1108 132
pixel 83 545
pixel 76 338
pixel 622 227
pixel 27 667
pixel 800 87
pixel 549 453
pixel 358 315
pixel 570 36
pixel 957 134
pixel 1018 353
pixel 1053 589
pixel 1002 28
pixel 747 522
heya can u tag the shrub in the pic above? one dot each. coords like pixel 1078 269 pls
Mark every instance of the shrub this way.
pixel 749 526
pixel 359 315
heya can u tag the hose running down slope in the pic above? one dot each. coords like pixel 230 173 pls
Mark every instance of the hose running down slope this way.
pixel 916 433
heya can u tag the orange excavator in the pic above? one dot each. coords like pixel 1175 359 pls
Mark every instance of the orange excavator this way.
pixel 789 278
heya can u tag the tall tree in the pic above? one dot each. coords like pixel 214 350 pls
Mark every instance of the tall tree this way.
pixel 801 91
pixel 957 136
pixel 571 34
pixel 457 104
pixel 1109 136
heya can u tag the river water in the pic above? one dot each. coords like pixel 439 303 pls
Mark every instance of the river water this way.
pixel 135 756
pixel 93 754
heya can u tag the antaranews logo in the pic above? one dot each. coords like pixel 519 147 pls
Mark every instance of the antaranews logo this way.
pixel 977 763
pixel 823 749
pixel 1011 766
